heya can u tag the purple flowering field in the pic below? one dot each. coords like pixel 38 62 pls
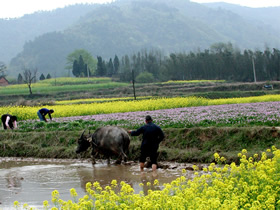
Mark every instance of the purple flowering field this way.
pixel 263 113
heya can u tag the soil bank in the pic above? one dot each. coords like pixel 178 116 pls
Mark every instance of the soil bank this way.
pixel 182 145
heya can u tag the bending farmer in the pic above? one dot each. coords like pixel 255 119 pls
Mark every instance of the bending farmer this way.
pixel 9 121
pixel 43 112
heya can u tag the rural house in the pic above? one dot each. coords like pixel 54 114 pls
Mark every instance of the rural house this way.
pixel 3 81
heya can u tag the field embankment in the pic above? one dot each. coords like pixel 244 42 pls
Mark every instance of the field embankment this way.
pixel 181 144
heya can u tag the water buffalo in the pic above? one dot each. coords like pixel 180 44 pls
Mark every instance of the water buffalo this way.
pixel 108 140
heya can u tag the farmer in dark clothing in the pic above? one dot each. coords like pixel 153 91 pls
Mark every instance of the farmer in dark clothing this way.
pixel 43 112
pixel 9 121
pixel 152 136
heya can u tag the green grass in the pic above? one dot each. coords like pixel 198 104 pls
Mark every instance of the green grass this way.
pixel 61 85
pixel 75 80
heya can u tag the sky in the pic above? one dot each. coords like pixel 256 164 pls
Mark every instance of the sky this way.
pixel 17 8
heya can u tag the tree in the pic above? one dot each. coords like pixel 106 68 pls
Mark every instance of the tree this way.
pixel 104 68
pixel 48 76
pixel 116 64
pixel 76 69
pixel 275 63
pixel 125 70
pixel 87 59
pixel 42 77
pixel 110 68
pixel 20 79
pixel 29 77
pixel 101 67
pixel 82 67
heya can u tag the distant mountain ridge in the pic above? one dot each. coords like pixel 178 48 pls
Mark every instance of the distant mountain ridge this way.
pixel 15 32
pixel 128 26
pixel 267 15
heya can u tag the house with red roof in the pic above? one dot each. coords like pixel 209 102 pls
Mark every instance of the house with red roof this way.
pixel 3 81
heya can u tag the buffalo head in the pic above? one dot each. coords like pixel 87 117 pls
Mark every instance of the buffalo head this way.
pixel 84 142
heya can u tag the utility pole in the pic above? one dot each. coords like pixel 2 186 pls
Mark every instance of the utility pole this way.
pixel 254 70
pixel 55 78
pixel 133 84
pixel 87 73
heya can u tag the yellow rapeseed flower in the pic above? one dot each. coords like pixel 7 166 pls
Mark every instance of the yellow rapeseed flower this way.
pixel 244 151
pixel 223 159
pixel 73 192
pixel 156 182
pixel 16 204
pixel 46 204
pixel 114 183
pixel 195 167
pixel 88 185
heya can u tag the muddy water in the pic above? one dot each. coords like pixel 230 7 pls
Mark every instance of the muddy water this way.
pixel 31 181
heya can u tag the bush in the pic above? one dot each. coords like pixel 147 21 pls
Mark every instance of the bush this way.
pixel 145 77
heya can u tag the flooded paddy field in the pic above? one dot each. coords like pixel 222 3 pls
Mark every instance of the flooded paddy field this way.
pixel 32 180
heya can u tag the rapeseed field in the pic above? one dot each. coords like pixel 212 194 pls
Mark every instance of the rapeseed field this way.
pixel 28 113
pixel 254 184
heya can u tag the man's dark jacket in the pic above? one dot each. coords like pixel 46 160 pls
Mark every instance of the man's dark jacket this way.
pixel 152 134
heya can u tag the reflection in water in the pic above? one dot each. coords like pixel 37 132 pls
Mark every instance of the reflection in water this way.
pixel 148 178
pixel 33 181
pixel 13 181
pixel 104 174
pixel 130 174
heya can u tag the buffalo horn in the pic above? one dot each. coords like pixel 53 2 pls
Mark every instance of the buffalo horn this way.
pixel 83 133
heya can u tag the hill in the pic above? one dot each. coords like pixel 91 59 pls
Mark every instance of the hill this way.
pixel 16 32
pixel 257 15
pixel 126 26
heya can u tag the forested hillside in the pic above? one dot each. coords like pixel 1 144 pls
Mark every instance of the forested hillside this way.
pixel 126 27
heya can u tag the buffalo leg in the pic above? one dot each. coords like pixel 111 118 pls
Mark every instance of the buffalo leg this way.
pixel 93 155
pixel 125 159
pixel 93 160
pixel 108 160
pixel 119 160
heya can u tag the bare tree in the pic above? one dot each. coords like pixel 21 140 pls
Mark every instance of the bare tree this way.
pixel 29 77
